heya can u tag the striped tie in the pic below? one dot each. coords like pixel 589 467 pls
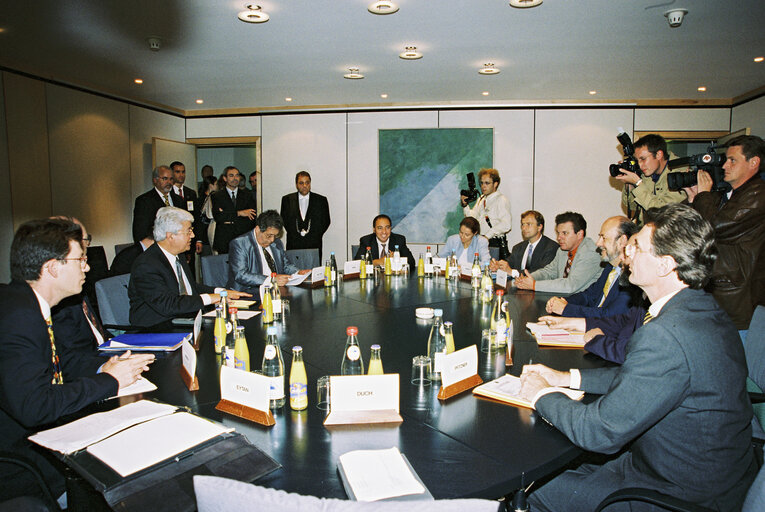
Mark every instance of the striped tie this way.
pixel 607 286
pixel 167 202
pixel 58 377
pixel 570 260
pixel 647 318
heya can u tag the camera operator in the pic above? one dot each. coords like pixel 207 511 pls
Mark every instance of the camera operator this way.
pixel 738 218
pixel 649 190
pixel 492 210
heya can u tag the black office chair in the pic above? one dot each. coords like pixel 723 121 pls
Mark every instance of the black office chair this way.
pixel 650 496
pixel 44 502
pixel 304 258
pixel 99 269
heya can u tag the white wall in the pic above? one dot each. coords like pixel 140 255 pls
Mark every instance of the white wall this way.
pixel 750 115
pixel 681 119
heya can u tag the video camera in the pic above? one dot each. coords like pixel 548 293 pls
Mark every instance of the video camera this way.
pixel 472 192
pixel 711 162
pixel 629 163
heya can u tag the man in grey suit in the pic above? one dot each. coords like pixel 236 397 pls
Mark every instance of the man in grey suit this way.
pixel 678 402
pixel 257 254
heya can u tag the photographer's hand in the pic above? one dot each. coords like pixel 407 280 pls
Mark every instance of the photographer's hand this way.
pixel 705 181
pixel 628 177
pixel 463 200
pixel 691 192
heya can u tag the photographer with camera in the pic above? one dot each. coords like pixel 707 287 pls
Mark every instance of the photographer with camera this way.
pixel 491 210
pixel 738 219
pixel 646 186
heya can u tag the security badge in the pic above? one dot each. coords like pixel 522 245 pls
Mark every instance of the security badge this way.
pixel 304 232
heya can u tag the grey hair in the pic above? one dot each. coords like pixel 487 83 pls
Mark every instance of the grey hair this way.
pixel 155 171
pixel 170 219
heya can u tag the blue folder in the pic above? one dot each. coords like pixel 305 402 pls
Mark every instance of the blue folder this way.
pixel 164 342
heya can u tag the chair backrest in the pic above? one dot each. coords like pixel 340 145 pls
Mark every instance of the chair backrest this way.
pixel 120 247
pixel 304 258
pixel 113 300
pixel 215 270
pixel 354 250
pixel 494 252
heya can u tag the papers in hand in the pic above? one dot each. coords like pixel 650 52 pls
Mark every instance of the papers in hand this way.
pixel 139 386
pixel 508 389
pixel 378 474
pixel 296 279
pixel 167 342
pixel 555 337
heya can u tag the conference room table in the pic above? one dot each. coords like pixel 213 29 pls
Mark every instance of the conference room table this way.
pixel 465 446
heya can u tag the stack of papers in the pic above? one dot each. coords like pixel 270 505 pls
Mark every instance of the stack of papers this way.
pixel 374 475
pixel 507 389
pixel 146 341
pixel 547 337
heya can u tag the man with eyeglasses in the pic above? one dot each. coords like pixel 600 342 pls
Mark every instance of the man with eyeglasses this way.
pixel 492 210
pixel 162 286
pixel 257 254
pixel 147 204
pixel 40 379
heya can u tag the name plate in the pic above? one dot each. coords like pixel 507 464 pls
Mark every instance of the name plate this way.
pixel 352 267
pixel 363 399
pixel 466 270
pixel 501 278
pixel 440 263
pixel 317 274
pixel 459 365
pixel 189 357
pixel 396 264
pixel 428 268
pixel 244 388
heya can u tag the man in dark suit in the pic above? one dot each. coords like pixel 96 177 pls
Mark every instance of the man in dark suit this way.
pixel 534 252
pixel 162 286
pixel 604 297
pixel 256 255
pixel 48 263
pixel 679 401
pixel 234 212
pixel 383 241
pixel 188 200
pixel 305 215
pixel 147 204
pixel 123 260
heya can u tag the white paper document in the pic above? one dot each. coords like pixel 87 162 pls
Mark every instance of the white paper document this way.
pixel 296 279
pixel 240 315
pixel 78 434
pixel 379 474
pixel 547 336
pixel 140 386
pixel 151 442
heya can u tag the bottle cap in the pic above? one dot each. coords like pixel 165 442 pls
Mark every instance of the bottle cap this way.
pixel 239 328
pixel 223 293
pixel 271 330
pixel 369 248
pixel 438 312
pixel 500 292
pixel 351 329
pixel 332 254
pixel 375 347
pixel 448 323
pixel 428 247
pixel 273 274
pixel 476 254
pixel 396 247
pixel 297 348
pixel 232 310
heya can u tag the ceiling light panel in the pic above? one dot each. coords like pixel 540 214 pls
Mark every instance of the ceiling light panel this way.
pixel 410 53
pixel 253 14
pixel 382 7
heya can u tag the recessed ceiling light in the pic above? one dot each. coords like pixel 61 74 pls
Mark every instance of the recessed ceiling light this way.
pixel 410 53
pixel 488 69
pixel 139 81
pixel 354 74
pixel 382 7
pixel 701 89
pixel 759 59
pixel 383 96
pixel 522 4
pixel 485 93
pixel 287 99
pixel 200 101
pixel 2 29
pixel 593 93
pixel 253 14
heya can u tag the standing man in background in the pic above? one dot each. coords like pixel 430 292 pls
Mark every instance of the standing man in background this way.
pixel 147 204
pixel 305 215
pixel 189 198
pixel 234 211
pixel 492 210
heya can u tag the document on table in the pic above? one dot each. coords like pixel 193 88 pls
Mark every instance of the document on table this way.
pixel 240 303
pixel 80 433
pixel 296 279
pixel 240 315
pixel 508 389
pixel 555 337
pixel 139 386
pixel 379 474
pixel 151 442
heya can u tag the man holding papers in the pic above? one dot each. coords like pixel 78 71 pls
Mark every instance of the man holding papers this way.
pixel 679 400
pixel 162 286
pixel 257 254
pixel 48 263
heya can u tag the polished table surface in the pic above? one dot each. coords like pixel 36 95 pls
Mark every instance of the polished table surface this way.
pixel 463 447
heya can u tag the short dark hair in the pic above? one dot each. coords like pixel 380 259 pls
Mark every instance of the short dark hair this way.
pixel 302 173
pixel 225 171
pixel 472 225
pixel 681 232
pixel 269 219
pixel 627 228
pixel 381 216
pixel 751 145
pixel 253 173
pixel 493 174
pixel 654 143
pixel 176 163
pixel 537 216
pixel 574 218
pixel 38 241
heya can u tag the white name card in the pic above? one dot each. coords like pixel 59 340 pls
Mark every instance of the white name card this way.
pixel 440 263
pixel 245 388
pixel 466 270
pixel 428 268
pixel 459 365
pixel 197 328
pixel 190 206
pixel 396 264
pixel 189 357
pixel 317 274
pixel 352 267
pixel 364 392
pixel 501 278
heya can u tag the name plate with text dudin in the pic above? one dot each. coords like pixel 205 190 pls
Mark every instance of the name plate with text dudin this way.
pixel 363 399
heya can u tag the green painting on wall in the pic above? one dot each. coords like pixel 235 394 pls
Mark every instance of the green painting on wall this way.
pixel 421 174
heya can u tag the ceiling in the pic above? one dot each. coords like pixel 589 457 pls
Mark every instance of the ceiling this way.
pixel 556 52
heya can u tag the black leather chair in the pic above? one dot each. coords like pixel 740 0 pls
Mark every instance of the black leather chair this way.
pixel 44 502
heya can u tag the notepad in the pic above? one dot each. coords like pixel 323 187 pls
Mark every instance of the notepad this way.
pixel 374 475
pixel 507 389
pixel 547 337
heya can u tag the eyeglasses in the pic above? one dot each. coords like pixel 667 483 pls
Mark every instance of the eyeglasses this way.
pixel 83 260
pixel 88 240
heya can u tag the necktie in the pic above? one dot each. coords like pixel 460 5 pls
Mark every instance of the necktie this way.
pixel 528 256
pixel 607 286
pixel 233 197
pixel 180 192
pixel 58 377
pixel 94 320
pixel 568 264
pixel 384 250
pixel 270 261
pixel 647 318
pixel 167 201
pixel 181 282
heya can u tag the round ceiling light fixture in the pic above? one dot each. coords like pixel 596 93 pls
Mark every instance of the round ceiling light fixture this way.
pixel 524 4
pixel 488 69
pixel 253 14
pixel 354 74
pixel 382 7
pixel 410 53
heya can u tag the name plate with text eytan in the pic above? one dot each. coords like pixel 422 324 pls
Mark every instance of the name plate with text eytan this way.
pixel 189 366
pixel 459 372
pixel 351 269
pixel 363 399
pixel 245 394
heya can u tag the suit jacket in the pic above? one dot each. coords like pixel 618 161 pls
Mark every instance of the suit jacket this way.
pixel 28 400
pixel 123 260
pixel 75 340
pixel 145 211
pixel 245 271
pixel 479 244
pixel 394 240
pixel 543 254
pixel 228 225
pixel 617 331
pixel 585 303
pixel 188 195
pixel 680 400
pixel 153 290
pixel 585 270
pixel 317 216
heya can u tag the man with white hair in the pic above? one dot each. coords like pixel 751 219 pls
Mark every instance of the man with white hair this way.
pixel 161 285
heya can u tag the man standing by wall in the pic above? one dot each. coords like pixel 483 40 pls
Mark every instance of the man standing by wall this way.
pixel 147 204
pixel 188 199
pixel 234 211
pixel 305 215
